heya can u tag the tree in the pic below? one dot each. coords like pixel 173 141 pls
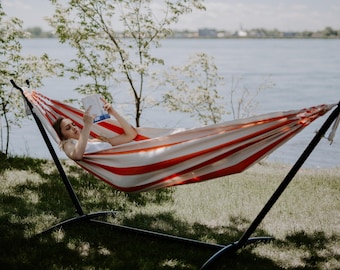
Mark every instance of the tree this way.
pixel 105 55
pixel 197 89
pixel 329 32
pixel 194 89
pixel 242 99
pixel 13 65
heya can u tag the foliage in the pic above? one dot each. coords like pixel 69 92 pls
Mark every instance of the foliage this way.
pixel 107 55
pixel 193 89
pixel 13 65
pixel 196 88
pixel 242 99
pixel 327 32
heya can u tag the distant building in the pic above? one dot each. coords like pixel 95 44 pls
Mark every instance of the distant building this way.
pixel 289 34
pixel 241 33
pixel 224 34
pixel 184 34
pixel 207 33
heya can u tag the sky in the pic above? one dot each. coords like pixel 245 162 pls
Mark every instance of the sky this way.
pixel 230 15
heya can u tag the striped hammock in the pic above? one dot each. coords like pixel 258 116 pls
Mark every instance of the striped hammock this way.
pixel 160 158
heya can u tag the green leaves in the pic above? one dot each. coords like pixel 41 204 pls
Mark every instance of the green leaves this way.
pixel 193 89
pixel 14 65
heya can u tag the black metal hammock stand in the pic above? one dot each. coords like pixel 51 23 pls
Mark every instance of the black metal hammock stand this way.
pixel 221 250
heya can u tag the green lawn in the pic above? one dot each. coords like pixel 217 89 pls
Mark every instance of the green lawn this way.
pixel 304 222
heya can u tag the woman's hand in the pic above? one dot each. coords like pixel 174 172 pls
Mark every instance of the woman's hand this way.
pixel 107 106
pixel 88 118
pixel 129 132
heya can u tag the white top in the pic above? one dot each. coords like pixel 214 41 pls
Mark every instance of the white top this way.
pixel 91 146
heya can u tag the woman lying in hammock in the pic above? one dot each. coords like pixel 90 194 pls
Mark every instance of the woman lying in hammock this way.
pixel 75 141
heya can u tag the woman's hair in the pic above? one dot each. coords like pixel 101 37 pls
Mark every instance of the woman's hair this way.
pixel 57 127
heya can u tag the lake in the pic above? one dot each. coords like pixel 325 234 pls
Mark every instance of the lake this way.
pixel 305 72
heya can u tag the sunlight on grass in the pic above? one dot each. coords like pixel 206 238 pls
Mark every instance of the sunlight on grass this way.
pixel 174 264
pixel 289 258
pixel 303 203
pixel 304 221
pixel 104 251
pixel 83 248
pixel 15 178
pixel 58 235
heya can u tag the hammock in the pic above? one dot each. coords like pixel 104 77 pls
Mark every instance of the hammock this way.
pixel 244 142
pixel 160 158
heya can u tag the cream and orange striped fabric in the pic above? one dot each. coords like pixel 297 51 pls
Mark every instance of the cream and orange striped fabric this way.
pixel 160 158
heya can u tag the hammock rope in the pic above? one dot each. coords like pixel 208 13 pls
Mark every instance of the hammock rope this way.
pixel 159 158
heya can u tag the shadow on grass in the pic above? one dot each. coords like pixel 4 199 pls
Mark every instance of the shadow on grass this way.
pixel 316 248
pixel 20 163
pixel 91 246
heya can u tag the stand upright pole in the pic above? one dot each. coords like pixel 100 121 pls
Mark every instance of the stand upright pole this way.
pixel 62 173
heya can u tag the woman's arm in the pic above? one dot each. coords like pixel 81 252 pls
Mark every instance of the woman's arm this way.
pixel 76 151
pixel 129 132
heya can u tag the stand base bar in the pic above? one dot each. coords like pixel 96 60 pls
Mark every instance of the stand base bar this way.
pixel 85 217
pixel 232 248
pixel 160 235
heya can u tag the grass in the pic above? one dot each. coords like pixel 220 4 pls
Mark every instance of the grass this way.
pixel 304 221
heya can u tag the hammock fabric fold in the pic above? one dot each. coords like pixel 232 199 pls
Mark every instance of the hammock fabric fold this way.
pixel 160 158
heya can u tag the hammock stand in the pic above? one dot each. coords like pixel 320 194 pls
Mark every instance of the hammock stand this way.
pixel 244 240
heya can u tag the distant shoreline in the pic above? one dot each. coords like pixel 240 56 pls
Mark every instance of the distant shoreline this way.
pixel 201 38
pixel 211 33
